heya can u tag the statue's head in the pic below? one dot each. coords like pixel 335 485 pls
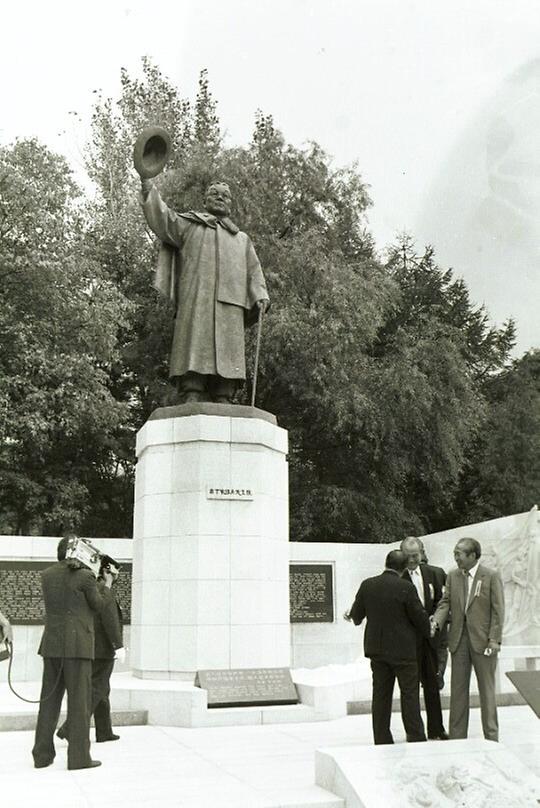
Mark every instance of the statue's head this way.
pixel 218 199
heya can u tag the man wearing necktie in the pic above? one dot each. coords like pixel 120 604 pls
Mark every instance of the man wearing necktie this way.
pixel 474 599
pixel 429 592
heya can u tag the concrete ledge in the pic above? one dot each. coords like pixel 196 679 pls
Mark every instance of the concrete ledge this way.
pixel 14 722
pixel 363 706
pixel 174 703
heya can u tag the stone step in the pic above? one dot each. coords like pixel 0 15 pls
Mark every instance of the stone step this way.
pixel 363 707
pixel 12 721
pixel 245 716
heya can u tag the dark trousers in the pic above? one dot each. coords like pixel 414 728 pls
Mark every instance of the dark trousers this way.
pixel 427 666
pixel 101 688
pixel 75 677
pixel 101 706
pixel 385 672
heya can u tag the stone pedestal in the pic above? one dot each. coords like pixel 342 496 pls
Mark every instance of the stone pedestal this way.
pixel 210 554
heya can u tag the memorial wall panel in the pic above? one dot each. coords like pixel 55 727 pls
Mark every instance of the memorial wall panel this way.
pixel 20 591
pixel 311 593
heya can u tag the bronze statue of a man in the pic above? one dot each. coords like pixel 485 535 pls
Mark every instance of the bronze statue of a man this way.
pixel 210 271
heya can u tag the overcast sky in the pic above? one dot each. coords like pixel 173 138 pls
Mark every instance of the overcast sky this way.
pixel 417 92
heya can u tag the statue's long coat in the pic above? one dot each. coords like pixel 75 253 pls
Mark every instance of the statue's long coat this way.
pixel 210 270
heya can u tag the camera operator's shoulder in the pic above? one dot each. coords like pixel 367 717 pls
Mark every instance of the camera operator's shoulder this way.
pixel 87 574
pixel 55 569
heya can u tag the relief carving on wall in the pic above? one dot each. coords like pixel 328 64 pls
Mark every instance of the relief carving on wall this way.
pixel 517 558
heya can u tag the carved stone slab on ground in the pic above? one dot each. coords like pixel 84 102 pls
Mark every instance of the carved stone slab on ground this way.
pixel 451 774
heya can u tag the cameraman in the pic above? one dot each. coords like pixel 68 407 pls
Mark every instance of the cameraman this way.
pixel 108 646
pixel 71 596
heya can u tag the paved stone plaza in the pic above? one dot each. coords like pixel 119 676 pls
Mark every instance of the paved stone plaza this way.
pixel 234 767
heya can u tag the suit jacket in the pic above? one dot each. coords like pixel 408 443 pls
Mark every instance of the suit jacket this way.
pixel 432 587
pixel 438 572
pixel 485 609
pixel 71 598
pixel 107 624
pixel 433 591
pixel 394 616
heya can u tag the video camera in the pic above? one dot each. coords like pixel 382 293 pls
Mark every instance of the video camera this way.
pixel 81 552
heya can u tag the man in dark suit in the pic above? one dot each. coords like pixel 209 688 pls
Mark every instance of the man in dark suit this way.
pixel 394 616
pixel 67 647
pixel 441 637
pixel 474 598
pixel 429 592
pixel 107 646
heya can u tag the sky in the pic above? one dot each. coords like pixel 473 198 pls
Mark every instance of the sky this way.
pixel 436 102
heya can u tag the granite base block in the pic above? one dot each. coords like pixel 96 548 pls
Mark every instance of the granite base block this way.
pixel 468 773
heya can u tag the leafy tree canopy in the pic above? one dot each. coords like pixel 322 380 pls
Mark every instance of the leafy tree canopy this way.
pixel 58 317
pixel 383 372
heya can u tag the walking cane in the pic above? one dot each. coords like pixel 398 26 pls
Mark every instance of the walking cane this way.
pixel 257 350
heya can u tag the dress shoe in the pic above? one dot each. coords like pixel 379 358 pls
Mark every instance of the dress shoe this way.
pixel 43 765
pixel 442 736
pixel 91 765
pixel 413 739
pixel 111 737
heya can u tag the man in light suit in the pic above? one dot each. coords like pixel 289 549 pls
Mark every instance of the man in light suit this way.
pixel 474 599
pixel 429 590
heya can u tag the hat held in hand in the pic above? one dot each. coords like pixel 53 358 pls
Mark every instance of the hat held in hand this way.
pixel 151 151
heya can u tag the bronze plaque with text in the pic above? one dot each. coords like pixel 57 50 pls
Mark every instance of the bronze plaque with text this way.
pixel 247 687
pixel 20 591
pixel 311 593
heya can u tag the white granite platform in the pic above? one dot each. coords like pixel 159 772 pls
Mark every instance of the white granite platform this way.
pixel 226 767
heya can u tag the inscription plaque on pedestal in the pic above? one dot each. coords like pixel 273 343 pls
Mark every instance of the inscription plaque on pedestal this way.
pixel 311 593
pixel 247 687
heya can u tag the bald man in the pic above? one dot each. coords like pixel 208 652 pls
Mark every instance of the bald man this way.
pixel 210 271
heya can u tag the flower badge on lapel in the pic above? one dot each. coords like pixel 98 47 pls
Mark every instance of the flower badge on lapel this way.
pixel 431 591
pixel 478 589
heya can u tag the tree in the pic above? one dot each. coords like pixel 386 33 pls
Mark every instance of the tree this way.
pixel 374 369
pixel 383 373
pixel 429 293
pixel 58 418
pixel 503 473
